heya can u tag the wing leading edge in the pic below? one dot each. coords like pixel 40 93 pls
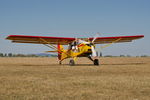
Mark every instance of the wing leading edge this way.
pixel 40 39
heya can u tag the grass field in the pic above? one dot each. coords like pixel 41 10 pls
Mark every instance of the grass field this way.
pixel 43 79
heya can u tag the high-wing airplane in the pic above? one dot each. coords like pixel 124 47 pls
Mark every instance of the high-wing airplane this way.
pixel 77 47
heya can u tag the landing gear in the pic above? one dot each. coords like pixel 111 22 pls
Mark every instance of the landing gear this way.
pixel 72 62
pixel 60 63
pixel 96 62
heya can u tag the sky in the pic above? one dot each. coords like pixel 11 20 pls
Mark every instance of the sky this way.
pixel 76 18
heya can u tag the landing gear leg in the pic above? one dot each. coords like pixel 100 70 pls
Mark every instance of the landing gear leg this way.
pixel 60 62
pixel 90 58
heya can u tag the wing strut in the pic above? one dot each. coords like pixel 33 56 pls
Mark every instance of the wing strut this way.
pixel 50 45
pixel 107 45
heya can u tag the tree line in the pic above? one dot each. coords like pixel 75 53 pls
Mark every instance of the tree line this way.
pixel 54 55
pixel 26 55
pixel 17 55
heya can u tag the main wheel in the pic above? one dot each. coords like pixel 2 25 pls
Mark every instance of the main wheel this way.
pixel 71 63
pixel 96 62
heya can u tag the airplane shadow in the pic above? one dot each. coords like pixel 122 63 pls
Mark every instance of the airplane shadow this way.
pixel 83 64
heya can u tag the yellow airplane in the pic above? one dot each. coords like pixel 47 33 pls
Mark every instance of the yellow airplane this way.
pixel 77 47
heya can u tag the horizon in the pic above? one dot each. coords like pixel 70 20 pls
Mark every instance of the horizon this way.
pixel 55 55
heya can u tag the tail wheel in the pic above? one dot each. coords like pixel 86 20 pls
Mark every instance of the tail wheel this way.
pixel 60 63
pixel 71 63
pixel 96 62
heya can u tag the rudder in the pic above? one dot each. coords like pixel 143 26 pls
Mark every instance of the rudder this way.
pixel 60 50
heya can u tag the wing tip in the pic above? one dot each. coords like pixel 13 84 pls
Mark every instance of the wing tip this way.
pixel 8 37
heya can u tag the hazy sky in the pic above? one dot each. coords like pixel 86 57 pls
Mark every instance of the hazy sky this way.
pixel 75 18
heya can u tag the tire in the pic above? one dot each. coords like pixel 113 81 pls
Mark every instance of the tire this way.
pixel 60 63
pixel 71 63
pixel 96 62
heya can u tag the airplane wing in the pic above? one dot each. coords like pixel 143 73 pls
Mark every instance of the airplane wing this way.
pixel 40 39
pixel 67 40
pixel 117 39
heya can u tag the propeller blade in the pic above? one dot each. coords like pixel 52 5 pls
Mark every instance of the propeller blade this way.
pixel 93 51
pixel 95 37
pixel 82 41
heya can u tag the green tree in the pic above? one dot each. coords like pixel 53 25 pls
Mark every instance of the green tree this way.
pixel 100 54
pixel 10 55
pixel 5 55
pixel 1 55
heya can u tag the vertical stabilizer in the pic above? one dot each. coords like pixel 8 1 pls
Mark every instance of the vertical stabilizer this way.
pixel 60 50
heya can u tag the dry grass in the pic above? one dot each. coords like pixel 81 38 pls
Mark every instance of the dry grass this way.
pixel 44 79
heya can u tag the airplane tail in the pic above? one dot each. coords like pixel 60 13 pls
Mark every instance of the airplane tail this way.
pixel 60 51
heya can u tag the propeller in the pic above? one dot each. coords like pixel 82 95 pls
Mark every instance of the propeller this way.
pixel 94 54
pixel 93 51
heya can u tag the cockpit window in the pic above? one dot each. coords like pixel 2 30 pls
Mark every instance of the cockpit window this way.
pixel 88 45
